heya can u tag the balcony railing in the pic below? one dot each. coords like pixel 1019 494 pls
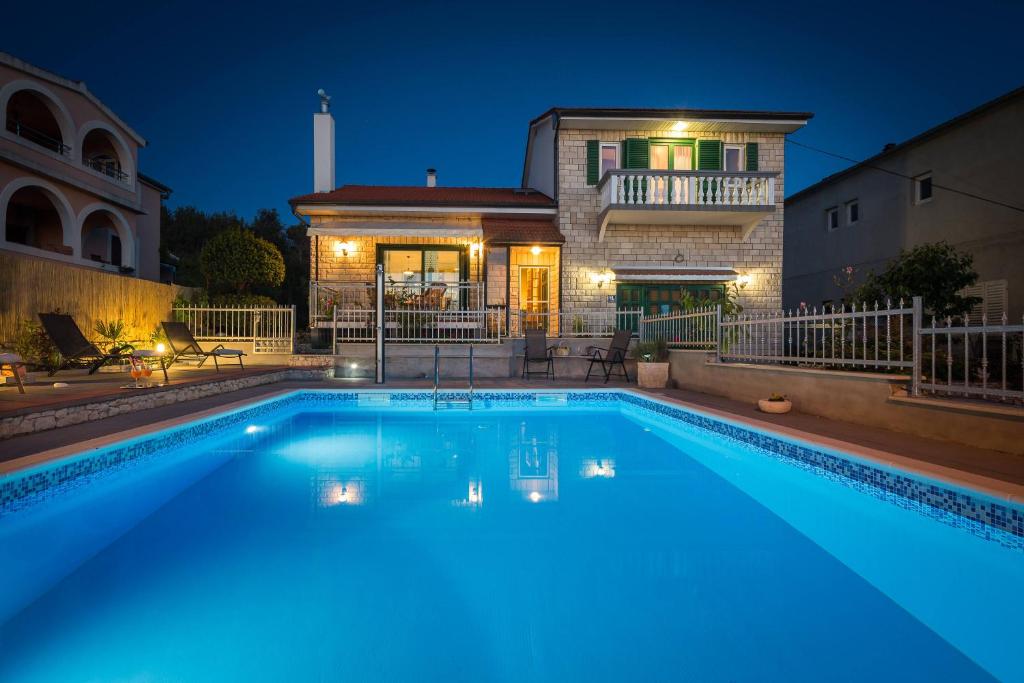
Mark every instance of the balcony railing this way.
pixel 38 137
pixel 353 298
pixel 639 188
pixel 107 168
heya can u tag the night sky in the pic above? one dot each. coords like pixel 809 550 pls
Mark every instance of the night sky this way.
pixel 224 92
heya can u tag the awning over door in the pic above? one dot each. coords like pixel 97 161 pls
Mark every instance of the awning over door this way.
pixel 634 273
pixel 394 229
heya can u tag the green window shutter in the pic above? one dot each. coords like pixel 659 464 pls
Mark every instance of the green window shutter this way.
pixel 593 162
pixel 636 153
pixel 709 155
pixel 751 156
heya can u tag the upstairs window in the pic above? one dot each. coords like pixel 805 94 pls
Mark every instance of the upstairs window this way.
pixel 852 212
pixel 734 158
pixel 609 157
pixel 832 218
pixel 923 188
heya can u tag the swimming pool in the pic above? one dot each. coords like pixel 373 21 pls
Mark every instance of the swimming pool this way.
pixel 597 535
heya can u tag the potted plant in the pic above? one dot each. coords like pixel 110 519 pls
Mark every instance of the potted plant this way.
pixel 776 403
pixel 652 364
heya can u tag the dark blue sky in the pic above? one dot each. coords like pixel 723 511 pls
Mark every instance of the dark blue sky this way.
pixel 224 92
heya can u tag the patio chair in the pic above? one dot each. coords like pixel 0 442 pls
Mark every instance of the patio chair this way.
pixel 433 298
pixel 14 363
pixel 614 355
pixel 185 347
pixel 72 344
pixel 538 351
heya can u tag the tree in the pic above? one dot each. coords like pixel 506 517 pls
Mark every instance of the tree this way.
pixel 235 261
pixel 936 272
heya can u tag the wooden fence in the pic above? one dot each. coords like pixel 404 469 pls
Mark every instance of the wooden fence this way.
pixel 30 285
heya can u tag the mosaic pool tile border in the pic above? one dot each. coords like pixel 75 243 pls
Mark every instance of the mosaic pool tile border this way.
pixel 976 513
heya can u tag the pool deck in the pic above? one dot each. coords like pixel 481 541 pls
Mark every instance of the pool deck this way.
pixel 992 471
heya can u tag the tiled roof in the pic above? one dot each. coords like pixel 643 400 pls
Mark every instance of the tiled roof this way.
pixel 642 112
pixel 512 231
pixel 674 271
pixel 397 195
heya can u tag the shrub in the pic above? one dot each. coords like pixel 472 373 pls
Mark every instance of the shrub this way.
pixel 242 301
pixel 34 346
pixel 236 260
pixel 654 351
pixel 113 332
pixel 936 272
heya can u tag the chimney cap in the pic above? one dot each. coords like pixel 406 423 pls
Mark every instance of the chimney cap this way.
pixel 325 100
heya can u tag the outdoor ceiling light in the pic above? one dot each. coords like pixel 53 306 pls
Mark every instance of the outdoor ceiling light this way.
pixel 535 250
pixel 679 126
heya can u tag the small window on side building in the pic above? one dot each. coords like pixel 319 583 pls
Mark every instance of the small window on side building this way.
pixel 832 218
pixel 923 188
pixel 852 212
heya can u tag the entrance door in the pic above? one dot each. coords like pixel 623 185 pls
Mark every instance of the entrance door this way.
pixel 534 297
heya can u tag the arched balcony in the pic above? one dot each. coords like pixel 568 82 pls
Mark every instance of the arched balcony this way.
pixel 35 217
pixel 32 116
pixel 107 239
pixel 103 152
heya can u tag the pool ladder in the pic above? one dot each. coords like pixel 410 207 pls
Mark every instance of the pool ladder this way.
pixel 458 402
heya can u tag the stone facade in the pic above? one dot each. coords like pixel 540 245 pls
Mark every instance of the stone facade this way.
pixel 759 255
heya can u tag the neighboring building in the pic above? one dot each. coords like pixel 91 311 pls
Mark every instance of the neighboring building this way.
pixel 933 187
pixel 70 189
pixel 618 209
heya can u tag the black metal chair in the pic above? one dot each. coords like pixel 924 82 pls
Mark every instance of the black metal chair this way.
pixel 538 351
pixel 73 346
pixel 185 347
pixel 615 355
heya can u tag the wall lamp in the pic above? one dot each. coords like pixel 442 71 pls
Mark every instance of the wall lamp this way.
pixel 343 248
pixel 601 279
pixel 743 280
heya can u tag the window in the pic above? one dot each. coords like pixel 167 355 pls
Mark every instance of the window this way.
pixel 832 218
pixel 852 212
pixel 923 188
pixel 733 158
pixel 609 157
pixel 659 157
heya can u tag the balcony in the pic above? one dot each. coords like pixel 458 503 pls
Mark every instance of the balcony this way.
pixel 722 198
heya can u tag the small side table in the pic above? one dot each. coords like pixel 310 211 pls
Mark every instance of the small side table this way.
pixel 149 353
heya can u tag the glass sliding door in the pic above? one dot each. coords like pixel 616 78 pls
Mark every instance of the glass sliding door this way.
pixel 425 277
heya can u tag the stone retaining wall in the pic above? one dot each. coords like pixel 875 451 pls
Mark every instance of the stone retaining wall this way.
pixel 52 418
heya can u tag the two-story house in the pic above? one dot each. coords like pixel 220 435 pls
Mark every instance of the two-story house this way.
pixel 618 210
pixel 70 188
pixel 957 182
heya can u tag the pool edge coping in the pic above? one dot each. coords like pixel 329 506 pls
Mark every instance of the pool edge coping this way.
pixel 968 482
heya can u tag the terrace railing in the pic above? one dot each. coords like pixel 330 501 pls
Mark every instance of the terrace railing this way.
pixel 642 188
pixel 584 322
pixel 269 330
pixel 38 137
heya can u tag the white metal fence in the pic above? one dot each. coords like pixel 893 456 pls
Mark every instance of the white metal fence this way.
pixel 684 330
pixel 982 361
pixel 951 357
pixel 270 330
pixel 864 337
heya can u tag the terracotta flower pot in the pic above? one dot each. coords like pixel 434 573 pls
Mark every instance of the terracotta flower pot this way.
pixel 777 407
pixel 652 375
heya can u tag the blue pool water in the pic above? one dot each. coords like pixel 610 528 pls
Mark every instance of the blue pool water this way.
pixel 600 542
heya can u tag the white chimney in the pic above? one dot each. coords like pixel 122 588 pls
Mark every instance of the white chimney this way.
pixel 431 177
pixel 323 146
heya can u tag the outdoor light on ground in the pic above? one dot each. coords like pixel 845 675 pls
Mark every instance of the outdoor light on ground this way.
pixel 160 348
pixel 535 497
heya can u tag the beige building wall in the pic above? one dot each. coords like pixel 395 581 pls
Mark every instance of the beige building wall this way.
pixel 759 255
